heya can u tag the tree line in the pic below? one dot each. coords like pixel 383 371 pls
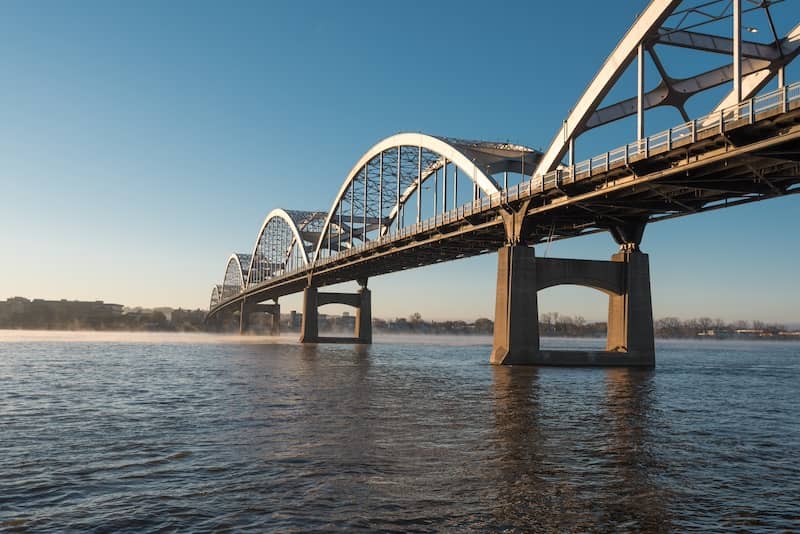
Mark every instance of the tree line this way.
pixel 559 325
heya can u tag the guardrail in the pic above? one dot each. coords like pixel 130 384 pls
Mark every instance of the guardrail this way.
pixel 747 112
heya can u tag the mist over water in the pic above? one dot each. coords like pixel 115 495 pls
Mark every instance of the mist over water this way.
pixel 110 431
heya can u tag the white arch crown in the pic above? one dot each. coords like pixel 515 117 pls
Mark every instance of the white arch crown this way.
pixel 216 296
pixel 284 243
pixel 235 275
pixel 377 188
pixel 675 23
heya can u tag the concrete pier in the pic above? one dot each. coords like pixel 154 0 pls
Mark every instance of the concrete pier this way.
pixel 309 329
pixel 273 310
pixel 630 314
pixel 625 279
pixel 313 299
pixel 516 310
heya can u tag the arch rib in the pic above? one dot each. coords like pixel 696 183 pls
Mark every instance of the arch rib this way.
pixel 760 62
pixel 651 19
pixel 235 275
pixel 753 82
pixel 473 158
pixel 303 227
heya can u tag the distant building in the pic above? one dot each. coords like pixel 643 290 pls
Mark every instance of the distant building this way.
pixel 166 311
pixel 39 313
pixel 295 320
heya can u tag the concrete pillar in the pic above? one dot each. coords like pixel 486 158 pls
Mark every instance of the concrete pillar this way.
pixel 364 317
pixel 516 316
pixel 362 301
pixel 626 278
pixel 275 326
pixel 244 318
pixel 630 315
pixel 310 324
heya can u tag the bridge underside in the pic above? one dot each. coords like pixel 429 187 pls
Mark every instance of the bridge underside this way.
pixel 750 163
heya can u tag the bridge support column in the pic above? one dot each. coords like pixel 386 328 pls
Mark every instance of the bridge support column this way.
pixel 630 314
pixel 364 317
pixel 244 318
pixel 516 310
pixel 626 279
pixel 310 324
pixel 362 301
pixel 273 310
pixel 275 326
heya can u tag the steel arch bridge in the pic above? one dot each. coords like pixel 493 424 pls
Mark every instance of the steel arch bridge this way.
pixel 415 199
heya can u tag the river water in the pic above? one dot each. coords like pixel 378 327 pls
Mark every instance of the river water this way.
pixel 115 432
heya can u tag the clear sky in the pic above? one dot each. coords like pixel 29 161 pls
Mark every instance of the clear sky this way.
pixel 143 142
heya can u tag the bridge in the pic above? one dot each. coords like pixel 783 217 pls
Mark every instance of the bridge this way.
pixel 414 199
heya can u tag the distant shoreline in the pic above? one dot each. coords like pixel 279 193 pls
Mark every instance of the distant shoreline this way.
pixel 788 336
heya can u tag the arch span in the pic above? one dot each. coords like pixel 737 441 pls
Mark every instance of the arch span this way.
pixel 216 296
pixel 235 275
pixel 285 242
pixel 678 24
pixel 376 190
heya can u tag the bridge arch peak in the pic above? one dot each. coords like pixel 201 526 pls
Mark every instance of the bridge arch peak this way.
pixel 235 277
pixel 216 296
pixel 293 219
pixel 474 160
pixel 285 241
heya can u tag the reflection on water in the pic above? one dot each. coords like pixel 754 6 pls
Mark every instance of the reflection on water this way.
pixel 110 434
pixel 523 489
pixel 629 401
pixel 584 473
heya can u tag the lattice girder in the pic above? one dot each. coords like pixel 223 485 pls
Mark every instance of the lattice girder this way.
pixel 674 23
pixel 216 296
pixel 284 243
pixel 235 275
pixel 374 195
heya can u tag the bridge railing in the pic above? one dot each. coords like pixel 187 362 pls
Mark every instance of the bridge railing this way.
pixel 747 112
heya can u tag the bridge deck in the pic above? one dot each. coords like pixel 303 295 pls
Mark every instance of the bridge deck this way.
pixel 748 154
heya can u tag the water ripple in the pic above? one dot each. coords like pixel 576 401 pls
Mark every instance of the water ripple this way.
pixel 107 433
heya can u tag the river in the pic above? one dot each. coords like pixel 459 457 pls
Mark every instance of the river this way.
pixel 132 432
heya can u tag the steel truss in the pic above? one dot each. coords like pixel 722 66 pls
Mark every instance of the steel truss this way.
pixel 679 23
pixel 235 275
pixel 408 177
pixel 409 190
pixel 284 242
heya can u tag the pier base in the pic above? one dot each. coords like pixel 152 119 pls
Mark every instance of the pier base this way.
pixel 516 309
pixel 313 299
pixel 273 310
pixel 309 329
pixel 626 279
pixel 630 314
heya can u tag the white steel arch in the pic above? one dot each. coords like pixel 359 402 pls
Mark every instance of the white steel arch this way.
pixel 415 157
pixel 235 275
pixel 754 79
pixel 674 23
pixel 285 241
pixel 216 296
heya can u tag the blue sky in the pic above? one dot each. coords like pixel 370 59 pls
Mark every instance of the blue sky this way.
pixel 143 142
